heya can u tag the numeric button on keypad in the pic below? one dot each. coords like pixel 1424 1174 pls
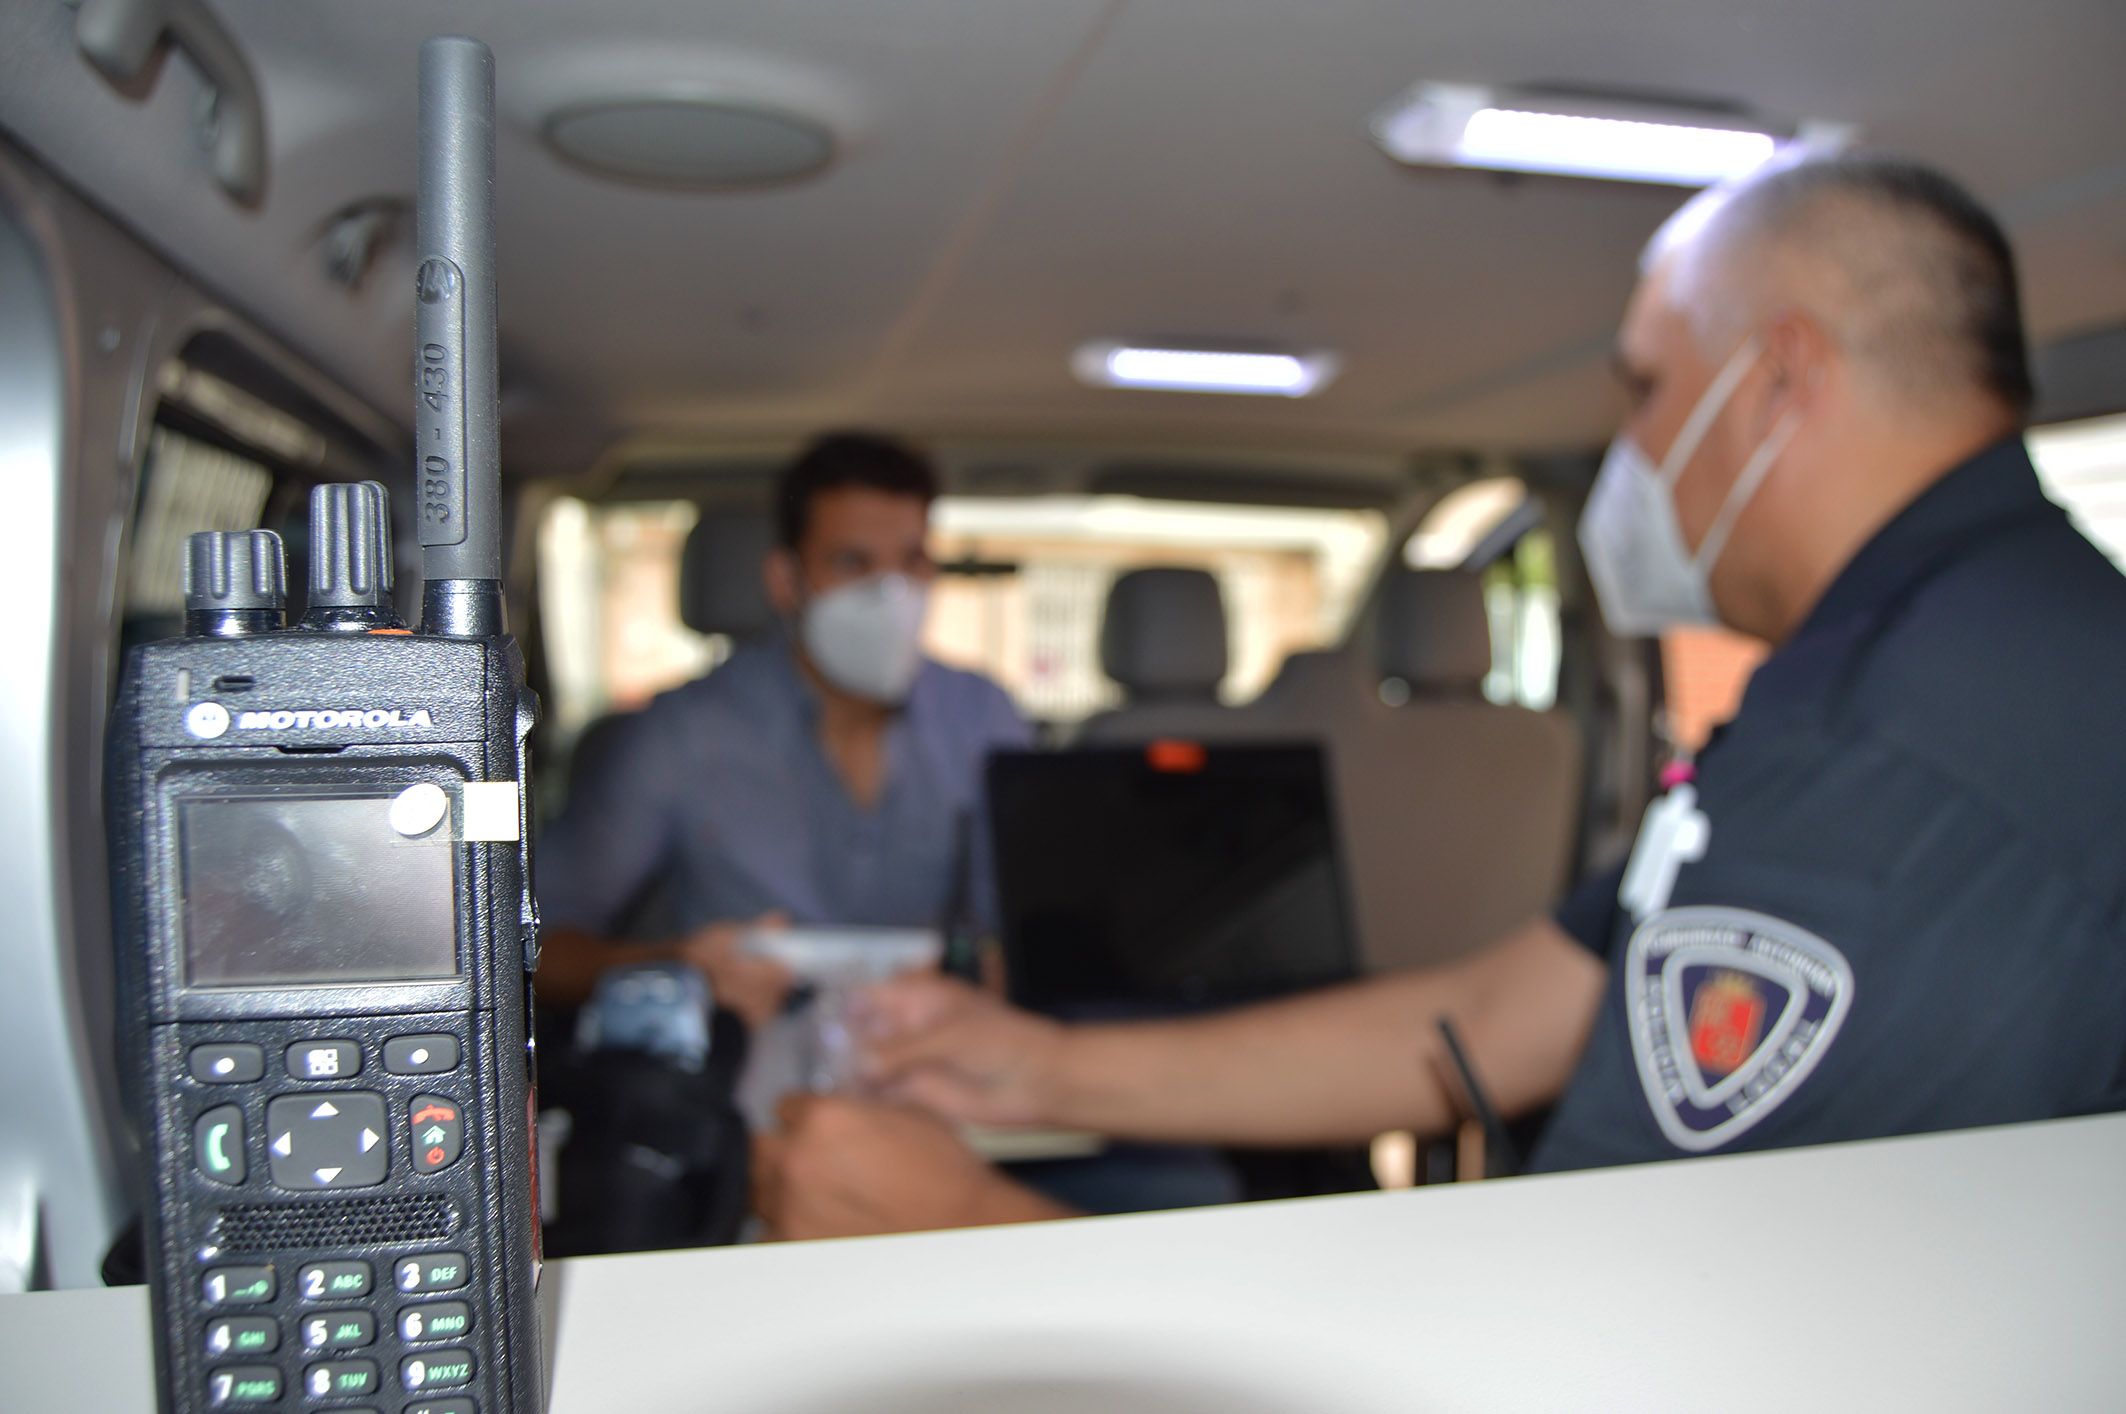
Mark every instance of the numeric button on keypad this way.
pixel 238 1286
pixel 226 1063
pixel 435 1320
pixel 433 1271
pixel 338 1330
pixel 438 1369
pixel 341 1379
pixel 421 1055
pixel 334 1281
pixel 443 1406
pixel 239 1386
pixel 242 1335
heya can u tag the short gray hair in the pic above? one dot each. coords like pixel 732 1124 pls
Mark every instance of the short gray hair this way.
pixel 1907 271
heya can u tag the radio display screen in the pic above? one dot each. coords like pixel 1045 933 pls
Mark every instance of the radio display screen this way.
pixel 309 890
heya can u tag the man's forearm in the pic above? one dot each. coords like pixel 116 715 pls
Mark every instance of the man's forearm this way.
pixel 1341 1065
pixel 1009 1201
pixel 1326 1068
pixel 571 959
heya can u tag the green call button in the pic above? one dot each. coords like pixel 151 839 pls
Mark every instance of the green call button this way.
pixel 218 1144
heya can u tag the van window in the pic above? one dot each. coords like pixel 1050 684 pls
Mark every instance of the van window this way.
pixel 609 608
pixel 1520 587
pixel 2083 467
pixel 1521 592
pixel 1021 600
pixel 186 486
pixel 1026 608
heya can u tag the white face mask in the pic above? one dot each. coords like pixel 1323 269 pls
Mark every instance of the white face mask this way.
pixel 866 638
pixel 1644 577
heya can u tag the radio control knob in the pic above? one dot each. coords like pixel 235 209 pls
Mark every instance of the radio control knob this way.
pixel 236 582
pixel 350 558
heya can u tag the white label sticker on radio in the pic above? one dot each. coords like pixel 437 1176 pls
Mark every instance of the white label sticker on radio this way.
pixel 491 811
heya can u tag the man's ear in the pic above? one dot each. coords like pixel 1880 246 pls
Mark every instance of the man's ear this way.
pixel 1798 357
pixel 778 573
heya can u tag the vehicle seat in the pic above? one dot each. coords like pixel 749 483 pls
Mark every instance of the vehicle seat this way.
pixel 1460 812
pixel 720 585
pixel 1163 639
pixel 720 591
pixel 1315 683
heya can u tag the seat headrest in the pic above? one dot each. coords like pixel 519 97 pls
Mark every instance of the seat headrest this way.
pixel 1164 634
pixel 720 588
pixel 1435 633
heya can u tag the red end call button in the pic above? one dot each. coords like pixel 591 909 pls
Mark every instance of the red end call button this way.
pixel 438 1129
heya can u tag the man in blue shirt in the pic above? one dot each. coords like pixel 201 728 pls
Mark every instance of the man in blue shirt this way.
pixel 1888 898
pixel 828 774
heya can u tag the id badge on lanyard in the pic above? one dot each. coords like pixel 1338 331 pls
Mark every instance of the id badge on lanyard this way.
pixel 1674 833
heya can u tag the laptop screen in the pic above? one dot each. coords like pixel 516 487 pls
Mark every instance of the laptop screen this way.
pixel 1168 876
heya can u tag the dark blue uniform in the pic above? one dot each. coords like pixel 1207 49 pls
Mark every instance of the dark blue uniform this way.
pixel 1909 912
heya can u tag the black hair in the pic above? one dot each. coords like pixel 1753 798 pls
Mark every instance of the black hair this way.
pixel 847 458
pixel 1965 310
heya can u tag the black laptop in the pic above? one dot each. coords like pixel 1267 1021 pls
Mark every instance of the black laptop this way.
pixel 1166 878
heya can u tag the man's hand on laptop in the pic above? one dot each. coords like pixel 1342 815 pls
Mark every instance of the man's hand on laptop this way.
pixel 960 1052
pixel 848 1168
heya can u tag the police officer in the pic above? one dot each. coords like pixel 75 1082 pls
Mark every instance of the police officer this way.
pixel 1887 898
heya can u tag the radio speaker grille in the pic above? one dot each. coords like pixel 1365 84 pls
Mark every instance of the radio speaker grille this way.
pixel 353 1222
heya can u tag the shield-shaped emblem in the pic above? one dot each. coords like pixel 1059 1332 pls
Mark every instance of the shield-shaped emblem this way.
pixel 1726 1021
pixel 1729 1011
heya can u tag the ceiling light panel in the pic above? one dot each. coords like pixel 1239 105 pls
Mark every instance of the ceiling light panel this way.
pixel 1109 364
pixel 1459 125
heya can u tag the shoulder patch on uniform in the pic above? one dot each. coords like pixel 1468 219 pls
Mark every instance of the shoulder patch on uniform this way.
pixel 1730 1011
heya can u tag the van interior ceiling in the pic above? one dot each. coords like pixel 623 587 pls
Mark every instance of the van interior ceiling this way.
pixel 960 241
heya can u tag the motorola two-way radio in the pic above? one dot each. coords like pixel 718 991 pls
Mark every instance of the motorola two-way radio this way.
pixel 323 911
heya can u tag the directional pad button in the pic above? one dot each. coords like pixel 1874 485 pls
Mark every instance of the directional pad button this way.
pixel 334 1139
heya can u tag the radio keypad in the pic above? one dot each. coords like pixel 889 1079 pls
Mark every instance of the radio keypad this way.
pixel 329 1139
pixel 324 1060
pixel 421 1055
pixel 242 1335
pixel 233 1063
pixel 238 1286
pixel 435 1320
pixel 438 1127
pixel 433 1271
pixel 338 1330
pixel 334 1281
pixel 438 1369
pixel 240 1386
pixel 341 1379
pixel 218 1145
pixel 307 1137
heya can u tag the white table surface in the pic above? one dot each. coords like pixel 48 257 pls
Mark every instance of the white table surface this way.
pixel 1983 1270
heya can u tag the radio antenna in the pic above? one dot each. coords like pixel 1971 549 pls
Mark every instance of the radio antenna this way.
pixel 457 439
